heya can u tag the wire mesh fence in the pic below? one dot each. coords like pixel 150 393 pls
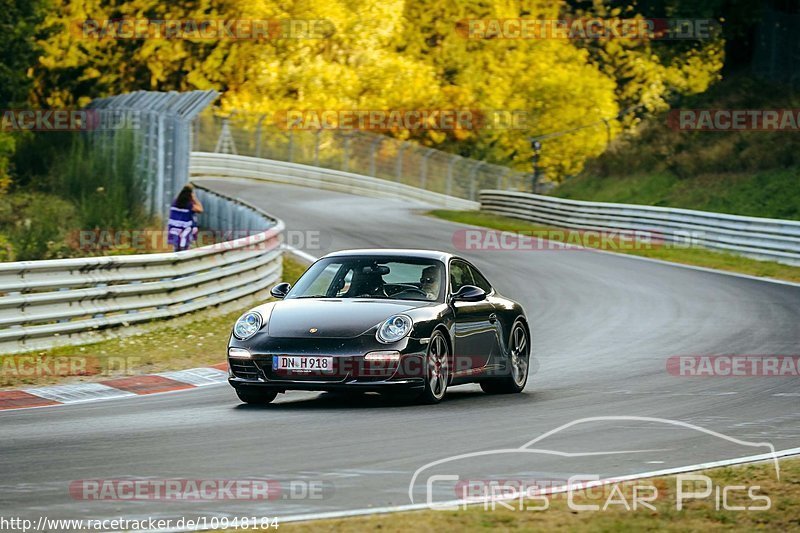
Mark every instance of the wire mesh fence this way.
pixel 160 124
pixel 359 152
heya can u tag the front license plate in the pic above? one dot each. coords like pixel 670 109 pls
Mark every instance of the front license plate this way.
pixel 301 362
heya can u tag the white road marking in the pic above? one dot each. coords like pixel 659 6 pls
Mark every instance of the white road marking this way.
pixel 81 392
pixel 632 477
pixel 197 376
pixel 304 256
pixel 424 506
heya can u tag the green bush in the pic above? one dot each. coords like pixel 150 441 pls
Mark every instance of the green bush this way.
pixel 740 172
pixel 67 183
pixel 656 148
pixel 6 249
pixel 35 154
pixel 36 226
pixel 769 193
pixel 99 175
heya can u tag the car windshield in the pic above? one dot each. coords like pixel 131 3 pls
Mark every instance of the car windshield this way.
pixel 372 277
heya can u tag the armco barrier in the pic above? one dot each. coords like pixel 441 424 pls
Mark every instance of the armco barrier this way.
pixel 43 303
pixel 760 238
pixel 218 165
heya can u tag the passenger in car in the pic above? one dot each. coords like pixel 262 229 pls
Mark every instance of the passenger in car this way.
pixel 431 281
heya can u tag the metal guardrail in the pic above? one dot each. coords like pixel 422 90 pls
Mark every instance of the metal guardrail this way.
pixel 359 152
pixel 218 165
pixel 44 303
pixel 760 238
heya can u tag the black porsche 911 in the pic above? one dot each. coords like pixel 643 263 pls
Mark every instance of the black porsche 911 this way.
pixel 406 322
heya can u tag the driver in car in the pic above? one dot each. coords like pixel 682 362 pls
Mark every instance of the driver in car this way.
pixel 430 281
pixel 369 282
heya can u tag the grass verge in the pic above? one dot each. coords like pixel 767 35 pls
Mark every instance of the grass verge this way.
pixel 768 193
pixel 193 340
pixel 696 515
pixel 689 256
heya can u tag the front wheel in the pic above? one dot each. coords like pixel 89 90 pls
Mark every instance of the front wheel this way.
pixel 519 359
pixel 255 396
pixel 437 369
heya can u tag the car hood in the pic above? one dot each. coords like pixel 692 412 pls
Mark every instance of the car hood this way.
pixel 332 317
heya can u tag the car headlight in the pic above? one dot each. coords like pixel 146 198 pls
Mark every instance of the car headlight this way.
pixel 394 328
pixel 247 325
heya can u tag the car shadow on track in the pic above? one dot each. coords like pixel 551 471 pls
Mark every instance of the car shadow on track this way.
pixel 341 401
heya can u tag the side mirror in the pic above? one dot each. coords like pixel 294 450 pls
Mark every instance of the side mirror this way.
pixel 469 293
pixel 280 290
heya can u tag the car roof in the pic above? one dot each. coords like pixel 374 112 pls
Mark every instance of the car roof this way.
pixel 394 252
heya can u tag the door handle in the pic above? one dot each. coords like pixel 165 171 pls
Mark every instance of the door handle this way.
pixel 493 318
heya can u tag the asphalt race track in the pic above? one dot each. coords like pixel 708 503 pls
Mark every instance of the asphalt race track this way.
pixel 603 327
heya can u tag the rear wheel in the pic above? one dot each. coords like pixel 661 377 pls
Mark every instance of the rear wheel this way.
pixel 437 369
pixel 519 358
pixel 255 396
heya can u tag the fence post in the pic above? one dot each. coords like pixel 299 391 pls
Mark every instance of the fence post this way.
pixel 317 135
pixel 196 134
pixel 160 156
pixel 398 164
pixel 450 165
pixel 225 143
pixel 374 146
pixel 502 176
pixel 423 180
pixel 472 172
pixel 346 152
pixel 258 135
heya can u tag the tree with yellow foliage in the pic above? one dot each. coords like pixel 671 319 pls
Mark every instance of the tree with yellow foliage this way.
pixel 386 54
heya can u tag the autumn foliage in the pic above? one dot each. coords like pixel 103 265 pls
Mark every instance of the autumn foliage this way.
pixel 385 54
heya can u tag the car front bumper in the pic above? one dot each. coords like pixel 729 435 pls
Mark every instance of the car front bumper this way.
pixel 353 385
pixel 350 370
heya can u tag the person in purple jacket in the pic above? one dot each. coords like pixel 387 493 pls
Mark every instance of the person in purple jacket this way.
pixel 182 226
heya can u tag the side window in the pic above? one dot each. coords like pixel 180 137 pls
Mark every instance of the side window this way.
pixel 459 275
pixel 480 281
